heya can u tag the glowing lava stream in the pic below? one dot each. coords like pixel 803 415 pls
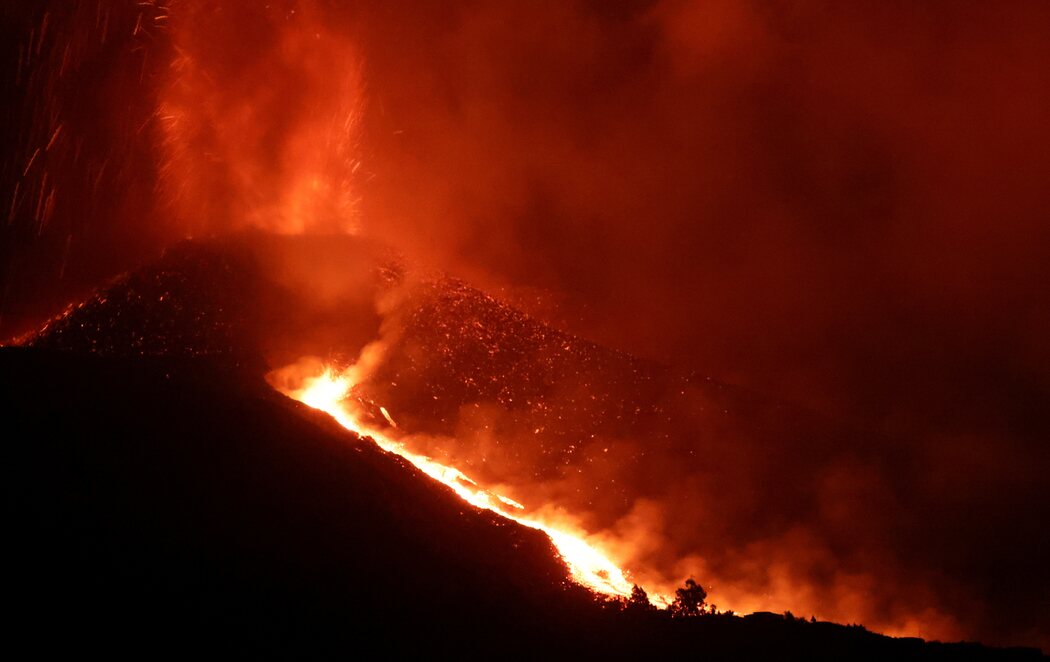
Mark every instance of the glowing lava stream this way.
pixel 588 566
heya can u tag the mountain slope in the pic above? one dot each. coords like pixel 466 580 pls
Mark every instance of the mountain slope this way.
pixel 175 352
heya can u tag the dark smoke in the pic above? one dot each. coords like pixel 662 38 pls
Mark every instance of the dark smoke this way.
pixel 839 206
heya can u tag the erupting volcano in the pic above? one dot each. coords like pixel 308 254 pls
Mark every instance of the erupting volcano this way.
pixel 567 329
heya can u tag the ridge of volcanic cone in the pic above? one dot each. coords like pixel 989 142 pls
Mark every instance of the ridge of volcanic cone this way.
pixel 195 301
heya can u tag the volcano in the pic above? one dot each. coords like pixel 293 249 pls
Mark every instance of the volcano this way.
pixel 162 495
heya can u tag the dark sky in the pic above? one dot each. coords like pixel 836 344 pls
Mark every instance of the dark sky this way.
pixel 841 205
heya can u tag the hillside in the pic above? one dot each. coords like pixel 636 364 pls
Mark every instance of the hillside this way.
pixel 161 491
pixel 156 506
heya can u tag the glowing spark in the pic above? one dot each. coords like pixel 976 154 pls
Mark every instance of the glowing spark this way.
pixel 510 502
pixel 54 137
pixel 386 415
pixel 32 159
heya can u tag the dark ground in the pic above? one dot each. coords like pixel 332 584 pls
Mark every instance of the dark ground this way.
pixel 158 505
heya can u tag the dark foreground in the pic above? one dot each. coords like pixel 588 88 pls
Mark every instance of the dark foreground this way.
pixel 181 505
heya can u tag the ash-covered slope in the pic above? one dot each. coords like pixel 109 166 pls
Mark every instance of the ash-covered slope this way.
pixel 690 467
pixel 243 298
pixel 198 300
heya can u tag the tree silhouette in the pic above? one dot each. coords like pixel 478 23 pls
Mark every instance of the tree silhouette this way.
pixel 689 601
pixel 639 600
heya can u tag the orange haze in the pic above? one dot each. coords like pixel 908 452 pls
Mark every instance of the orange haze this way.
pixel 837 205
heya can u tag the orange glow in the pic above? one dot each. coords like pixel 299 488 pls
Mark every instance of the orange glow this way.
pixel 589 565
pixel 261 131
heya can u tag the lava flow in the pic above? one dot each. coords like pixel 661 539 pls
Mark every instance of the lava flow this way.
pixel 329 393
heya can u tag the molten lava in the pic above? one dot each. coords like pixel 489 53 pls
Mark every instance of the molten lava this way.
pixel 590 567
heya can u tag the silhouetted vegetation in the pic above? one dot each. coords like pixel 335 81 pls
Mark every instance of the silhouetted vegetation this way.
pixel 639 600
pixel 689 600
